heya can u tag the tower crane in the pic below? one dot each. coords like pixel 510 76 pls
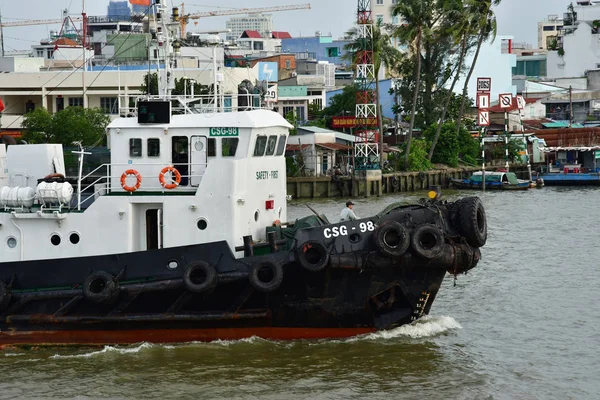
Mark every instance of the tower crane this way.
pixel 29 22
pixel 186 17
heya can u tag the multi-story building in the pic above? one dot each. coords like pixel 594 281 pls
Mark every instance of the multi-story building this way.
pixel 251 22
pixel 118 10
pixel 319 48
pixel 382 12
pixel 550 32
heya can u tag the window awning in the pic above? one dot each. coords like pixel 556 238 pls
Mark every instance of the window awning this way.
pixel 334 146
pixel 296 147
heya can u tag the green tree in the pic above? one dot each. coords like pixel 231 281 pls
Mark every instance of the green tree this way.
pixel 415 14
pixel 384 54
pixel 292 118
pixel 73 124
pixel 484 25
pixel 343 103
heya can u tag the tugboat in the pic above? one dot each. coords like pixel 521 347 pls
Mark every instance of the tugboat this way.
pixel 179 239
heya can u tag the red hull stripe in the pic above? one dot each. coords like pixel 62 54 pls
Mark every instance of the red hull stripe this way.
pixel 8 338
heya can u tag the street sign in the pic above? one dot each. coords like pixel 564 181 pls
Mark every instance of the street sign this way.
pixel 483 118
pixel 484 85
pixel 483 101
pixel 505 100
pixel 521 102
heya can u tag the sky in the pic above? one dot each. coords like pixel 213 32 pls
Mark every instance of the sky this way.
pixel 515 17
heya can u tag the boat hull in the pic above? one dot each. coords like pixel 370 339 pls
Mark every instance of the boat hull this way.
pixel 471 185
pixel 561 179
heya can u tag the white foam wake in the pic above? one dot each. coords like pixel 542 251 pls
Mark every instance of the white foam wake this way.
pixel 425 327
pixel 107 349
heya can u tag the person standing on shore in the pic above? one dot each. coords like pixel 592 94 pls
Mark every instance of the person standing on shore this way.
pixel 347 213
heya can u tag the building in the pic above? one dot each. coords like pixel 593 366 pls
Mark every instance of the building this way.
pixel 141 10
pixel 118 10
pixel 319 48
pixel 550 32
pixel 251 22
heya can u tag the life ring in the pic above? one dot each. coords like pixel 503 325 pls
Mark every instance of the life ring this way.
pixel 472 221
pixel 200 277
pixel 5 296
pixel 427 242
pixel 101 287
pixel 266 276
pixel 391 239
pixel 313 255
pixel 174 173
pixel 138 177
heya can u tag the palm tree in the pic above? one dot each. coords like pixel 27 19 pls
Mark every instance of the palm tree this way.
pixel 484 22
pixel 460 30
pixel 384 54
pixel 415 15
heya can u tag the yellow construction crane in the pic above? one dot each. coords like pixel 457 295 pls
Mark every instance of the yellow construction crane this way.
pixel 183 20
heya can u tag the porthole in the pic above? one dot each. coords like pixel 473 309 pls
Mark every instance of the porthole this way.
pixel 11 242
pixel 354 238
pixel 55 239
pixel 199 146
pixel 256 215
pixel 202 224
pixel 74 238
pixel 172 264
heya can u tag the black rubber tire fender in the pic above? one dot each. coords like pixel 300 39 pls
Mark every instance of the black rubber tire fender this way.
pixel 395 182
pixel 5 296
pixel 472 221
pixel 101 287
pixel 313 256
pixel 391 239
pixel 427 242
pixel 200 277
pixel 421 176
pixel 275 274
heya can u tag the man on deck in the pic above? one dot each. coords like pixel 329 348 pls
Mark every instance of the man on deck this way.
pixel 347 213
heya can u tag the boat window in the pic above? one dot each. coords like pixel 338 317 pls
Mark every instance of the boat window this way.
pixel 281 145
pixel 212 148
pixel 229 146
pixel 135 147
pixel 261 144
pixel 271 143
pixel 153 147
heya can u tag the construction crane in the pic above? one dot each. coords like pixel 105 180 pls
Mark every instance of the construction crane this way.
pixel 28 22
pixel 186 17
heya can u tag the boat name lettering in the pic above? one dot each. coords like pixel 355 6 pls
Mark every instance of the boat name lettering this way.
pixel 343 230
pixel 221 132
pixel 267 175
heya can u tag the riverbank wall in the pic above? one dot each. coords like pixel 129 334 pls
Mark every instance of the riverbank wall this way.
pixel 374 183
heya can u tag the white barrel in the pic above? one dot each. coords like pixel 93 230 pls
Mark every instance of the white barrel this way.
pixel 54 192
pixel 17 197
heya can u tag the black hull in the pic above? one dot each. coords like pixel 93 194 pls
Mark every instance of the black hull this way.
pixel 359 290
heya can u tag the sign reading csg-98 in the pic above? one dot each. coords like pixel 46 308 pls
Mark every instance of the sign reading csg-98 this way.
pixel 224 132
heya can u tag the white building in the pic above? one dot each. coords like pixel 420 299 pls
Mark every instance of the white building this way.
pixel 251 22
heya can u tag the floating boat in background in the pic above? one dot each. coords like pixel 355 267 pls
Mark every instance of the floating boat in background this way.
pixel 571 166
pixel 494 180
pixel 179 239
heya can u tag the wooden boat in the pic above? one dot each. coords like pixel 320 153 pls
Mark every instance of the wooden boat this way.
pixel 494 180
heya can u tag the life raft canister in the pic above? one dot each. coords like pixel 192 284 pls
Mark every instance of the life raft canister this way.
pixel 175 177
pixel 138 177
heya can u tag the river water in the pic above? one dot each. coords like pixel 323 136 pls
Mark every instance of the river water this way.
pixel 522 325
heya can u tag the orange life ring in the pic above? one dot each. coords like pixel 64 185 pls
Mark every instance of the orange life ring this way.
pixel 175 174
pixel 137 175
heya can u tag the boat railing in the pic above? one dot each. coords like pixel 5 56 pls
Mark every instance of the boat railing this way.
pixel 105 180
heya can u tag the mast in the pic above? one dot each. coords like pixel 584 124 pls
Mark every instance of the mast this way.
pixel 1 34
pixel 164 33
pixel 83 43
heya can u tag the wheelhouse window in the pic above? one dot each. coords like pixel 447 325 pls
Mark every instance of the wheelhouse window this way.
pixel 135 147
pixel 212 148
pixel 281 145
pixel 153 147
pixel 229 146
pixel 259 148
pixel 271 144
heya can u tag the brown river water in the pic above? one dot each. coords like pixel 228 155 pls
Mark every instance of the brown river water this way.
pixel 523 325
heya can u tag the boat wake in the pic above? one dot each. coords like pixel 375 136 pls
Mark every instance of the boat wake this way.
pixel 427 326
pixel 105 350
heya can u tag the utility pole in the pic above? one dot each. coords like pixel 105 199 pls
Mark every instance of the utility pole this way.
pixel 1 34
pixel 570 106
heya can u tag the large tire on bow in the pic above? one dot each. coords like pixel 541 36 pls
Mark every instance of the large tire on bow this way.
pixel 101 287
pixel 200 277
pixel 391 239
pixel 472 222
pixel 427 242
pixel 313 256
pixel 266 276
pixel 5 296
